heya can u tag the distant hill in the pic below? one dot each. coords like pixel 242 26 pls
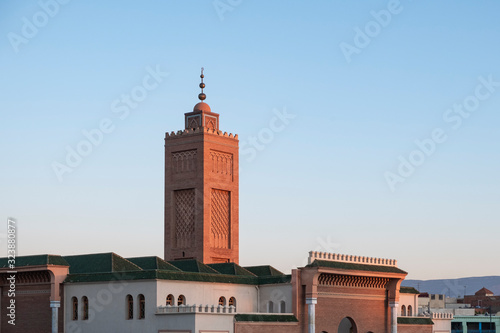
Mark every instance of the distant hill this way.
pixel 456 287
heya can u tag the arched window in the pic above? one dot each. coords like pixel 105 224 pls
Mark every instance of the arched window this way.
pixel 85 309
pixel 403 311
pixel 130 307
pixel 270 307
pixel 181 300
pixel 142 306
pixel 282 307
pixel 347 325
pixel 74 301
pixel 410 311
pixel 222 301
pixel 170 300
pixel 232 301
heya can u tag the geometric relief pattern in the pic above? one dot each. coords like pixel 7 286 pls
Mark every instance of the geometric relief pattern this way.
pixel 222 163
pixel 220 218
pixel 184 161
pixel 352 281
pixel 38 277
pixel 184 218
pixel 211 122
pixel 193 121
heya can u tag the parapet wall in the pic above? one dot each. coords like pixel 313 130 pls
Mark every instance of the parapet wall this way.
pixel 316 255
pixel 442 315
pixel 189 131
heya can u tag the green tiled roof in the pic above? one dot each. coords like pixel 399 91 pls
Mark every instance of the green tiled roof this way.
pixel 192 265
pixel 408 290
pixel 179 276
pixel 264 270
pixel 231 268
pixel 415 321
pixel 99 263
pixel 255 317
pixel 36 260
pixel 110 266
pixel 153 263
pixel 356 267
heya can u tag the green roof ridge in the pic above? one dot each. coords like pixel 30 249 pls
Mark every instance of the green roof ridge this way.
pixel 408 290
pixel 99 263
pixel 231 268
pixel 193 265
pixel 35 260
pixel 264 270
pixel 415 321
pixel 257 317
pixel 153 262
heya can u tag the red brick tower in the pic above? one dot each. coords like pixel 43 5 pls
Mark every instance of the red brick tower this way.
pixel 201 189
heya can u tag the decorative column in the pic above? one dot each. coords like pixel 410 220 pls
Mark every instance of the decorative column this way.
pixel 394 316
pixel 55 308
pixel 311 309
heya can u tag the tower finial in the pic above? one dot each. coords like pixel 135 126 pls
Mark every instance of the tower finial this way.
pixel 202 96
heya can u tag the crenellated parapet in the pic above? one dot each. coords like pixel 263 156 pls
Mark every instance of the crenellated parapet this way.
pixel 316 255
pixel 214 309
pixel 442 315
pixel 198 130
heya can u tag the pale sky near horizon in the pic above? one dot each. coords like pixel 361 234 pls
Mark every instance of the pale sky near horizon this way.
pixel 365 128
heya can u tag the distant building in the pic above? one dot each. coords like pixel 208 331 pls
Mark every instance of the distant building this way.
pixel 484 301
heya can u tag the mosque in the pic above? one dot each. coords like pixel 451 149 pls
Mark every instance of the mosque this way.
pixel 199 285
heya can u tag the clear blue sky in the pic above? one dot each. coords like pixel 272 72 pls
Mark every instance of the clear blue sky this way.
pixel 363 81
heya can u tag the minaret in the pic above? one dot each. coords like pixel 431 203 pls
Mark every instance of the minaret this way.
pixel 201 189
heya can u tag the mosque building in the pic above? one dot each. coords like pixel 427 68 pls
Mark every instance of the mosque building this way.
pixel 199 285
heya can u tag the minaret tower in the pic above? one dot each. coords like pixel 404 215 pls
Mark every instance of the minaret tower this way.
pixel 201 189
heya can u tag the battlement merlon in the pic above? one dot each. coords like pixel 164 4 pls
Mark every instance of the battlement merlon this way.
pixel 199 130
pixel 316 255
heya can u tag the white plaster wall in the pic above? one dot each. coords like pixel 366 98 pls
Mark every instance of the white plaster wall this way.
pixel 275 293
pixel 108 304
pixel 407 300
pixel 206 293
pixel 108 307
pixel 208 322
pixel 441 325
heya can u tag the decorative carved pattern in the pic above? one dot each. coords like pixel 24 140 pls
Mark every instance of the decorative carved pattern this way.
pixel 184 161
pixel 193 121
pixel 184 218
pixel 222 163
pixel 210 123
pixel 28 277
pixel 352 281
pixel 220 219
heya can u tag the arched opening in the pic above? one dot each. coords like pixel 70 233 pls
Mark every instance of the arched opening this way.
pixel 222 301
pixel 282 307
pixel 142 306
pixel 410 311
pixel 181 300
pixel 170 300
pixel 74 301
pixel 130 307
pixel 232 302
pixel 347 325
pixel 403 311
pixel 85 309
pixel 270 307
